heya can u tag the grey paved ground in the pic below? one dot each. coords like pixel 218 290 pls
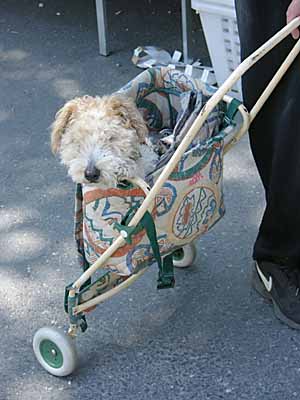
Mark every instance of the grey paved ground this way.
pixel 211 337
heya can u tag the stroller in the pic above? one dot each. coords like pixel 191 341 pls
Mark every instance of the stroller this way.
pixel 121 231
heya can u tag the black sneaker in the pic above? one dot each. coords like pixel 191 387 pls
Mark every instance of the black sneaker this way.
pixel 280 284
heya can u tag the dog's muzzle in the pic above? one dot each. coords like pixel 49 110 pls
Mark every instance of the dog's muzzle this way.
pixel 92 174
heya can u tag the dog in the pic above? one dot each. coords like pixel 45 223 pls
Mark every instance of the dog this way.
pixel 102 140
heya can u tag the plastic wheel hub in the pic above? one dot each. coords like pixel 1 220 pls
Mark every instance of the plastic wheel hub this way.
pixel 178 254
pixel 51 353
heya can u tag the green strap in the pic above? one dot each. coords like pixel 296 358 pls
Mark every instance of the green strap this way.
pixel 165 266
pixel 231 112
pixel 166 277
pixel 128 231
pixel 148 224
pixel 166 269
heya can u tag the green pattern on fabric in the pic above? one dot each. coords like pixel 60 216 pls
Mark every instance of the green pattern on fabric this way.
pixel 191 171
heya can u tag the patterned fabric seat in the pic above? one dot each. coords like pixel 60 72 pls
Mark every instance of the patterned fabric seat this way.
pixel 189 203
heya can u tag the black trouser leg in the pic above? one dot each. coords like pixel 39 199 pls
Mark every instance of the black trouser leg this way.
pixel 275 134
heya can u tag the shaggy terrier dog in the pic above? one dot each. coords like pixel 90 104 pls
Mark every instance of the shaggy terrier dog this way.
pixel 102 140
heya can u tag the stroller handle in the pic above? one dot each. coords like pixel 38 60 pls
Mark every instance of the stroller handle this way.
pixel 206 110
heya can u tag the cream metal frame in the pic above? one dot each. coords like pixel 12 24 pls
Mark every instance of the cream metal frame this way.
pixel 147 205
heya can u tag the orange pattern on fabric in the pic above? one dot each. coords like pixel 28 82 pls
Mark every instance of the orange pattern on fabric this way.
pixel 99 194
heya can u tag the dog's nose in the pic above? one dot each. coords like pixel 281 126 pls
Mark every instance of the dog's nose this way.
pixel 92 174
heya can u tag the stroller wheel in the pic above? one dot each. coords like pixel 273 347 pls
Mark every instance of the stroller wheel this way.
pixel 185 256
pixel 55 351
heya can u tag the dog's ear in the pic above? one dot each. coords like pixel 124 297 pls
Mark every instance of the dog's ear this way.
pixel 62 118
pixel 126 109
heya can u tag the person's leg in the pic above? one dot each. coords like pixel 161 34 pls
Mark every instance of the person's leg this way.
pixel 275 134
pixel 275 144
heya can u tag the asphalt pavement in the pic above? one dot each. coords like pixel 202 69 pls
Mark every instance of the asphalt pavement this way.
pixel 211 337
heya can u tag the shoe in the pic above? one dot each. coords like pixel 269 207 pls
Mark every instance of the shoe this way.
pixel 279 284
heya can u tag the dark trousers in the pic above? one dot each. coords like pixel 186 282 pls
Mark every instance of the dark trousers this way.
pixel 275 134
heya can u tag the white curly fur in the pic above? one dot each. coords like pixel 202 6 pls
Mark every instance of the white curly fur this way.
pixel 107 133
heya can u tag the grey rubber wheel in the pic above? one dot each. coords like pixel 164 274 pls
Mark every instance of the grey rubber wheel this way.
pixel 55 351
pixel 185 256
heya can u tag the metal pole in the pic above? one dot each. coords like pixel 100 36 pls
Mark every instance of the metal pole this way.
pixel 186 20
pixel 102 26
